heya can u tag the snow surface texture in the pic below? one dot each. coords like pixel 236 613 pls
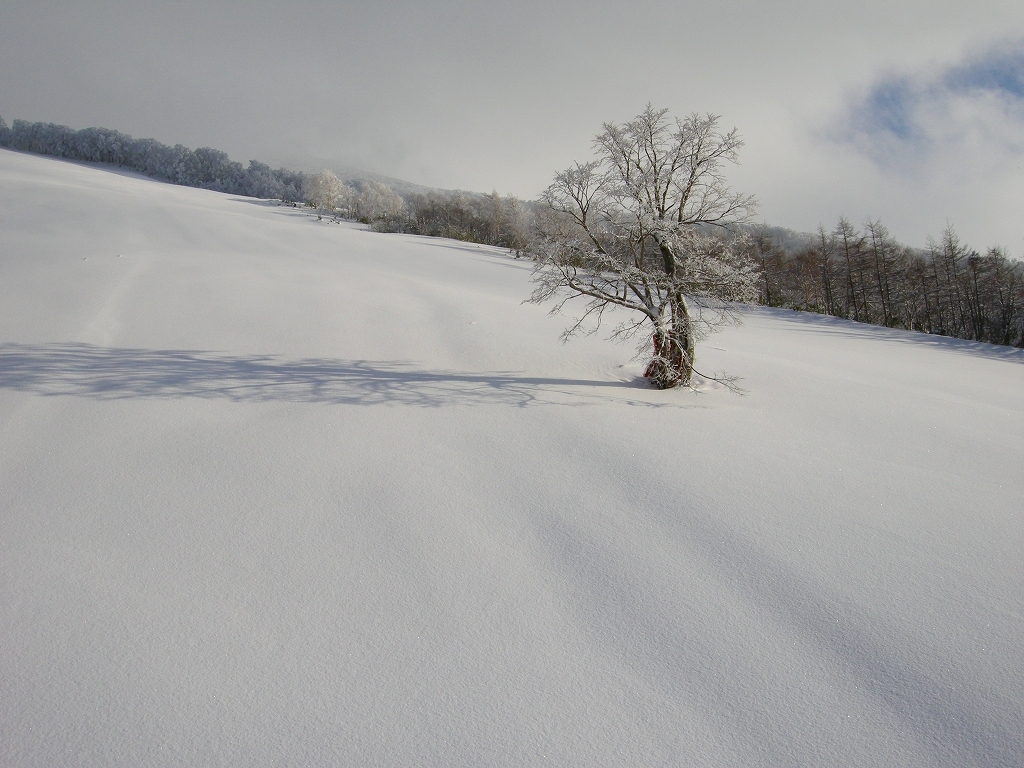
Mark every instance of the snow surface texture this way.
pixel 275 491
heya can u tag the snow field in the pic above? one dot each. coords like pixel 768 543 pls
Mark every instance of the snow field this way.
pixel 278 491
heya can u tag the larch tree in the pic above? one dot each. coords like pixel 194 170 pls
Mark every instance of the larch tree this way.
pixel 648 225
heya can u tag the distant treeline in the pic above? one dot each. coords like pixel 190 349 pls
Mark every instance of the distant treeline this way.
pixel 863 275
pixel 489 219
pixel 205 168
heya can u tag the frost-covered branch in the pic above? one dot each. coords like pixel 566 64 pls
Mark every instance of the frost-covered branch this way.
pixel 631 230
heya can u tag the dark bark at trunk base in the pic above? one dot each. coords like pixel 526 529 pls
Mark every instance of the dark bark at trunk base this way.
pixel 672 365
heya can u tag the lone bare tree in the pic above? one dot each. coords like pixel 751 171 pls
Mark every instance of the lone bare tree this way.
pixel 648 225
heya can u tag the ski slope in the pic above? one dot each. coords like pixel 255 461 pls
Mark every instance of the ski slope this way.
pixel 276 491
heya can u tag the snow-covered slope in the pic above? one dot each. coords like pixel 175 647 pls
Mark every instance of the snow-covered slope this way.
pixel 281 492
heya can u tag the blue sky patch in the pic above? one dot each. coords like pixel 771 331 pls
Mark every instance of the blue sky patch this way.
pixel 1001 70
pixel 890 107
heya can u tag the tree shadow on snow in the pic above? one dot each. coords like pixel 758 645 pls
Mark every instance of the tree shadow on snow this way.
pixel 924 694
pixel 107 373
pixel 264 202
pixel 494 254
pixel 111 168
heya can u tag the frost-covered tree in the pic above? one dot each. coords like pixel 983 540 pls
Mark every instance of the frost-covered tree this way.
pixel 325 191
pixel 205 167
pixel 518 222
pixel 647 225
pixel 379 203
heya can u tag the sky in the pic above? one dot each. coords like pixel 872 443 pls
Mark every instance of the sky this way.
pixel 908 112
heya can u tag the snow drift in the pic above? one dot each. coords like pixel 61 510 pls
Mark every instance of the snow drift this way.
pixel 279 491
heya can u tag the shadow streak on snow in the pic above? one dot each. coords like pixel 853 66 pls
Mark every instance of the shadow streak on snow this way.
pixel 923 694
pixel 815 323
pixel 107 373
pixel 264 202
pixel 111 168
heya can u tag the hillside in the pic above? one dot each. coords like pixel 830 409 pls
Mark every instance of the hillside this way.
pixel 281 491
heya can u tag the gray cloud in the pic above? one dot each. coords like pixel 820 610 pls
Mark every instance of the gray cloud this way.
pixel 492 95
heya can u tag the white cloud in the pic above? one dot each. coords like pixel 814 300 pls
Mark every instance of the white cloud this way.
pixel 975 106
pixel 941 143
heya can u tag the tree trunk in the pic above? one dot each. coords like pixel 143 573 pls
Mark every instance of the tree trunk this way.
pixel 672 365
pixel 683 339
